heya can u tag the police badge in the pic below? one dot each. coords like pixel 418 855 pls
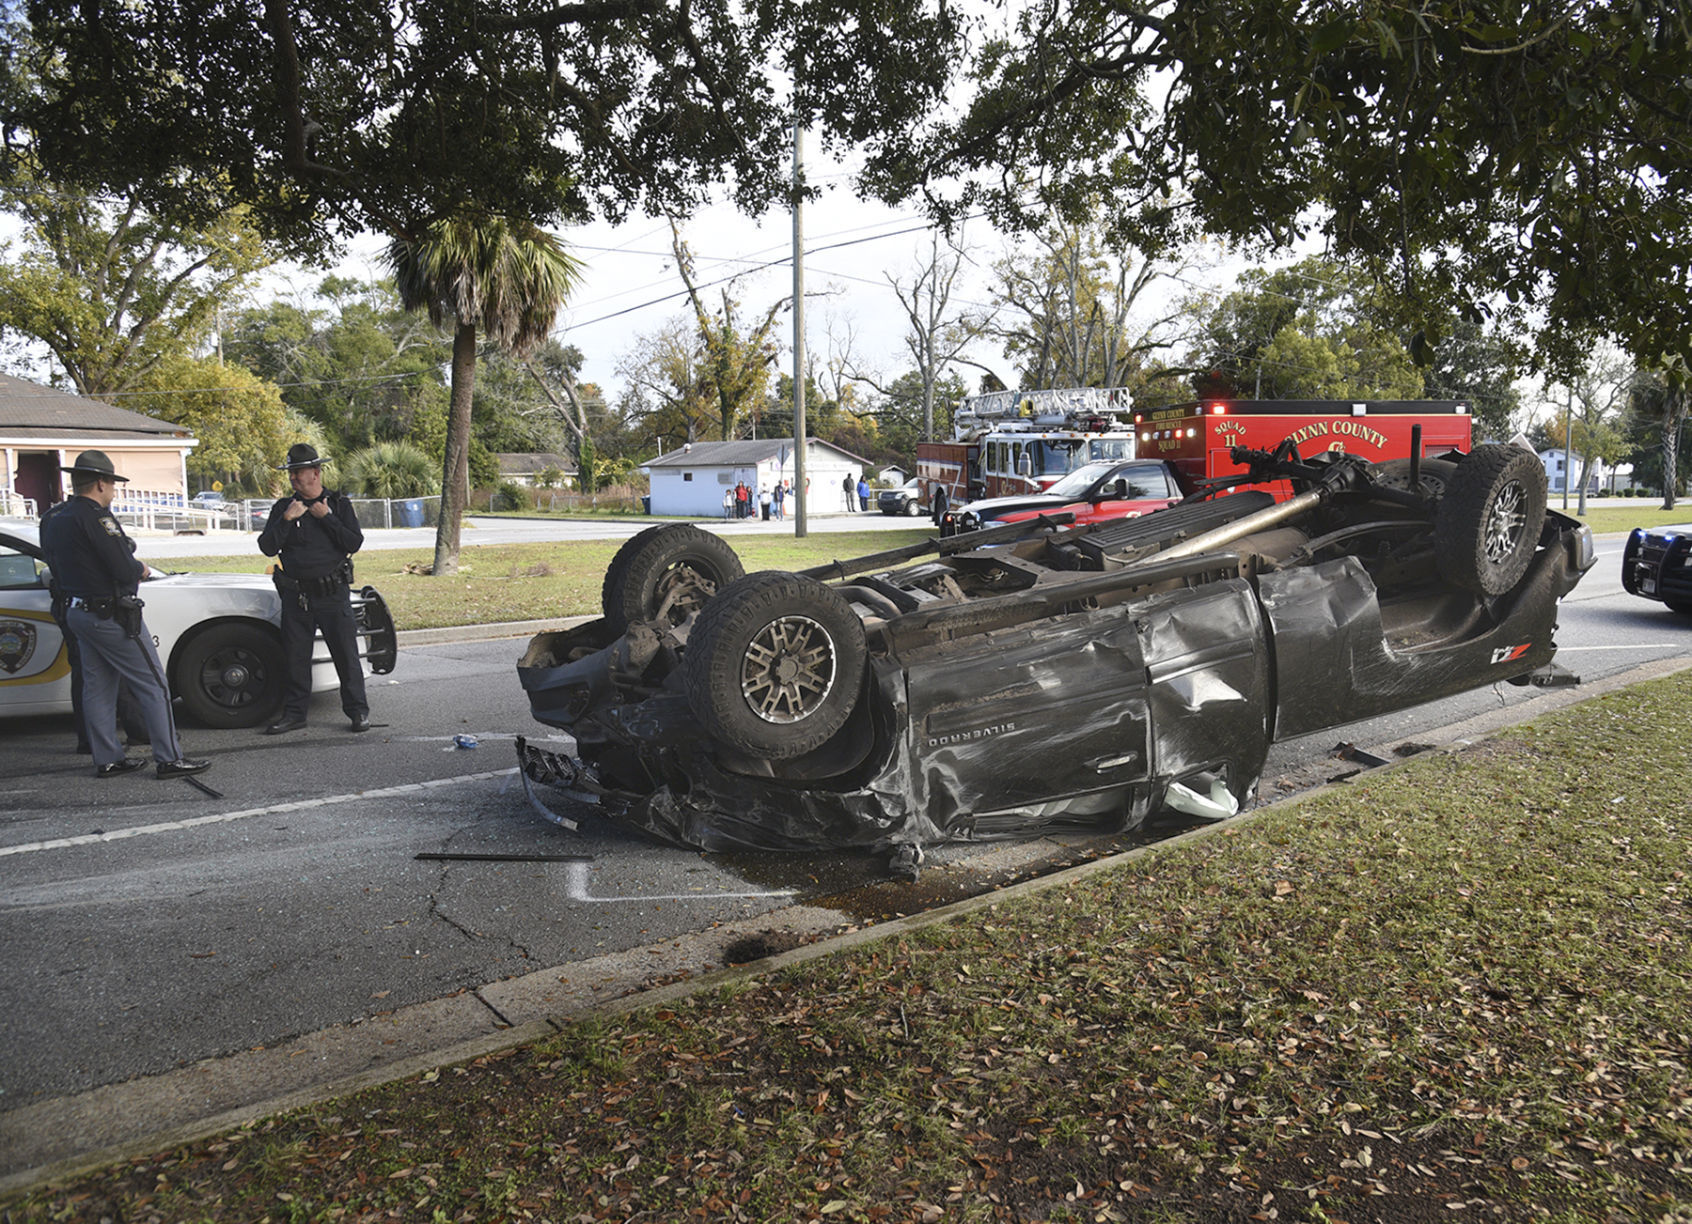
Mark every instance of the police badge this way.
pixel 17 644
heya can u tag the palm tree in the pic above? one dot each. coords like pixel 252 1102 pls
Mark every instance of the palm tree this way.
pixel 390 470
pixel 504 278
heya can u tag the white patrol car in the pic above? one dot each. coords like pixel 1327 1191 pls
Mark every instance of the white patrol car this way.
pixel 217 636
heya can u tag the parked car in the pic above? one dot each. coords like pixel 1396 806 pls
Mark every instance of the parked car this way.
pixel 906 499
pixel 1092 493
pixel 218 637
pixel 1657 564
pixel 1021 679
pixel 208 500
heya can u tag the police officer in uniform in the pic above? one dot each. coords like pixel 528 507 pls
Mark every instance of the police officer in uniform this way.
pixel 129 718
pixel 95 570
pixel 314 534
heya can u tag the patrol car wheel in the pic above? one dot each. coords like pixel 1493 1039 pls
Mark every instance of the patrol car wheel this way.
pixel 666 572
pixel 1488 523
pixel 230 675
pixel 774 665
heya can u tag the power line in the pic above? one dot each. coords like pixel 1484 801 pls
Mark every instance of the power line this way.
pixel 756 267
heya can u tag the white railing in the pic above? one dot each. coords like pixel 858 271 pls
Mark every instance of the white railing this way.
pixel 16 505
pixel 151 510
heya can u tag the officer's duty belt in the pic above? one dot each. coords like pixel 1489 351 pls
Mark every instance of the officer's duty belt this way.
pixel 327 584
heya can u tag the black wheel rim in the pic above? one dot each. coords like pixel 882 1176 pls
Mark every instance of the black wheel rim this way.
pixel 232 677
pixel 789 669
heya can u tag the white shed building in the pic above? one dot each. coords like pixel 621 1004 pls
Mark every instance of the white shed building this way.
pixel 690 482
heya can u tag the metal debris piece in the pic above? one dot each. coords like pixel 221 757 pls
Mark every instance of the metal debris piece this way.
pixel 1351 752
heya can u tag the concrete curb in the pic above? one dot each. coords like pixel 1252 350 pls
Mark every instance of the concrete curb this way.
pixel 119 1122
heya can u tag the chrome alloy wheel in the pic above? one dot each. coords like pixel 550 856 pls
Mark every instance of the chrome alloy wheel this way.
pixel 789 669
pixel 1505 522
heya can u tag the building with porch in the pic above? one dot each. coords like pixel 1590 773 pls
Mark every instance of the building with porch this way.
pixel 43 429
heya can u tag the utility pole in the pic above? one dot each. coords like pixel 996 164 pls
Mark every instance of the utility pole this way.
pixel 1568 441
pixel 799 491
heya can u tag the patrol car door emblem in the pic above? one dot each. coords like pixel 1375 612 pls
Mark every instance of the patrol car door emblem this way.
pixel 17 644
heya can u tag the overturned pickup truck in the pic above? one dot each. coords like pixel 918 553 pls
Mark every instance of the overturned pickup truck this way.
pixel 1041 675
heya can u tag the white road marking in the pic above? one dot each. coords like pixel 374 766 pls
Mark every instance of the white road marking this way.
pixel 576 880
pixel 1629 646
pixel 303 805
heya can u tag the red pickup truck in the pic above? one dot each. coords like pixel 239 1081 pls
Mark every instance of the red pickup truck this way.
pixel 1092 493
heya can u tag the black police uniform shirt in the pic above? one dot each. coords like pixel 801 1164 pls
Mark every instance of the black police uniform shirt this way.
pixel 89 553
pixel 312 547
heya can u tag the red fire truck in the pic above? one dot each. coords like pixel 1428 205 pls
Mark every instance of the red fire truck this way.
pixel 1194 438
pixel 1008 442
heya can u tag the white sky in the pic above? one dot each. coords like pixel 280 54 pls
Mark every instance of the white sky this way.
pixel 631 288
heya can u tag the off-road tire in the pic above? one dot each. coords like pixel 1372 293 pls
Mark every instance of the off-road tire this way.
pixel 675 562
pixel 230 675
pixel 774 665
pixel 611 589
pixel 1488 523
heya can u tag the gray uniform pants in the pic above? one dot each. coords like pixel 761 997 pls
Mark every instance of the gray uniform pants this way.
pixel 109 655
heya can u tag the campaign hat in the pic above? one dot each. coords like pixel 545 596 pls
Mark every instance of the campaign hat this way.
pixel 301 455
pixel 95 463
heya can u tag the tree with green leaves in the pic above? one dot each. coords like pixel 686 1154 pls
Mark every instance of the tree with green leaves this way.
pixel 587 475
pixel 666 399
pixel 1595 400
pixel 902 420
pixel 1660 424
pixel 352 358
pixel 112 291
pixel 238 419
pixel 1479 363
pixel 1462 151
pixel 330 117
pixel 492 276
pixel 1313 330
pixel 733 359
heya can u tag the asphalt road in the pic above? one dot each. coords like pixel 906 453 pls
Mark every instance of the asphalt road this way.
pixel 149 926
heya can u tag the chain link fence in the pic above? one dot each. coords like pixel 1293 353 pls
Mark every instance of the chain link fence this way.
pixel 374 513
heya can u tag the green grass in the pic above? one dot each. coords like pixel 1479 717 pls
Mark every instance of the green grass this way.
pixel 515 582
pixel 1604 519
pixel 1458 989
